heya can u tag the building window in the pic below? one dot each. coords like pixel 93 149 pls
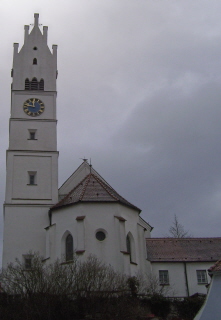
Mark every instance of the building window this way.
pixel 69 248
pixel 28 261
pixel 35 48
pixel 34 61
pixel 201 276
pixel 32 177
pixel 128 245
pixel 163 277
pixel 100 235
pixel 32 135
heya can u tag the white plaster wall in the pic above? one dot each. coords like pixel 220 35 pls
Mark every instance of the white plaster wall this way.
pixel 19 97
pixel 24 231
pixel 192 276
pixel 177 276
pixel 177 285
pixel 45 134
pixel 99 216
pixel 17 188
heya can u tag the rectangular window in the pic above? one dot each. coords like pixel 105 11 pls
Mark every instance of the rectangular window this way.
pixel 164 276
pixel 201 276
pixel 32 177
pixel 32 134
pixel 28 261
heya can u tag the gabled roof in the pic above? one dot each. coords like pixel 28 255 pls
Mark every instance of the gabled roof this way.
pixel 183 249
pixel 92 189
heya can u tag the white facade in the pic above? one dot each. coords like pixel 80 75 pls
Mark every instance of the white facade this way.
pixel 32 152
pixel 183 281
pixel 32 220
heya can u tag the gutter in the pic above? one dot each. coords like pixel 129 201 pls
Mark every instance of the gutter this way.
pixel 186 280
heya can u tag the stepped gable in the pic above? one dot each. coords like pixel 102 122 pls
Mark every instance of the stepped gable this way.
pixel 183 249
pixel 93 189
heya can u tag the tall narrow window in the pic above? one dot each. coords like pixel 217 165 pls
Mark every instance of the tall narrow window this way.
pixel 69 248
pixel 34 61
pixel 128 245
pixel 32 177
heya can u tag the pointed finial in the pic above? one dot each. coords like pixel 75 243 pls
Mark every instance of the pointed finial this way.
pixel 36 16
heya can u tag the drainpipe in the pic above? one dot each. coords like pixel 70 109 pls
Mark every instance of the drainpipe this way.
pixel 186 280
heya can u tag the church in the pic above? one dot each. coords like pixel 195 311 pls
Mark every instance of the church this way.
pixel 85 215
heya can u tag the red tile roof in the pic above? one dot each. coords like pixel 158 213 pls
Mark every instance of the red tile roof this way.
pixel 92 189
pixel 183 249
pixel 216 267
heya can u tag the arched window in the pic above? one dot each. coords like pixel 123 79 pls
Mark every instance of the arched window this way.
pixel 34 61
pixel 27 84
pixel 69 248
pixel 131 247
pixel 41 84
pixel 34 84
pixel 128 245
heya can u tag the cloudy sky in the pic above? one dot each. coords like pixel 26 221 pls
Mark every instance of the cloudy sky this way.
pixel 139 92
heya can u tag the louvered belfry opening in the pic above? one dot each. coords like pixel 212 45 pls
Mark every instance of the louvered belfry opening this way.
pixel 27 84
pixel 41 84
pixel 34 84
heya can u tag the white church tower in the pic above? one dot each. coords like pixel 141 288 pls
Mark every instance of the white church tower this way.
pixel 32 157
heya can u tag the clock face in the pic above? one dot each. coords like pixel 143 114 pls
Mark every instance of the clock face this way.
pixel 33 107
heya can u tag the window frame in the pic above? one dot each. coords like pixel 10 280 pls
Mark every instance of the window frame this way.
pixel 32 178
pixel 164 277
pixel 201 275
pixel 32 134
pixel 69 248
pixel 27 261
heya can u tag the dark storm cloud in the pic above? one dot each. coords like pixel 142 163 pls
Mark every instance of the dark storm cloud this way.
pixel 180 154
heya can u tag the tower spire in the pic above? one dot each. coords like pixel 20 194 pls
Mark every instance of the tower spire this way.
pixel 36 16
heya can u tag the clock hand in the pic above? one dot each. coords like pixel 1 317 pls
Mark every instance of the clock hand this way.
pixel 33 103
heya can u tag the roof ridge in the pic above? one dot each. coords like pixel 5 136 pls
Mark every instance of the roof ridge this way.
pixel 104 186
pixel 71 175
pixel 183 239
pixel 66 197
pixel 85 186
pixel 121 199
